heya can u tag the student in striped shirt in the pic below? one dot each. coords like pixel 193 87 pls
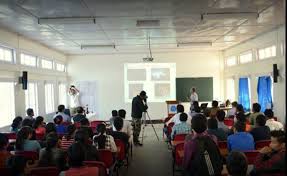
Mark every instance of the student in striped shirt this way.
pixel 68 139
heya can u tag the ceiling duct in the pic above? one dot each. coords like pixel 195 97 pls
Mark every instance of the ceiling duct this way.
pixel 97 46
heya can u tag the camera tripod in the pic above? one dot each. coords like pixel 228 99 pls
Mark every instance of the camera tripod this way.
pixel 144 125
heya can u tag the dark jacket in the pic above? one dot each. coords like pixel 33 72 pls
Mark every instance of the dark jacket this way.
pixel 78 117
pixel 138 107
pixel 261 133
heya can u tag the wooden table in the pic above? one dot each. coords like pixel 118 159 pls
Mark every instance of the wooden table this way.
pixel 226 108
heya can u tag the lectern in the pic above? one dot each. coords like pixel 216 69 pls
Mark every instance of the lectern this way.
pixel 171 107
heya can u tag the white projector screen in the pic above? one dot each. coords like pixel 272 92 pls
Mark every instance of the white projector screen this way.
pixel 157 79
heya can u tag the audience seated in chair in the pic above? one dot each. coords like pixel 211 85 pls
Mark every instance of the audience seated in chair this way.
pixel 80 114
pixel 60 128
pixel 118 134
pixel 127 128
pixel 39 126
pixel 231 112
pixel 175 118
pixel 91 153
pixel 260 131
pixel 85 125
pixel 68 139
pixel 214 109
pixel 240 140
pixel 104 141
pixel 61 109
pixel 24 142
pixel 214 130
pixel 52 155
pixel 30 114
pixel 114 115
pixel 236 164
pixel 16 124
pixel 196 109
pixel 220 115
pixel 182 127
pixel 4 154
pixel 271 123
pixel 255 112
pixel 18 165
pixel 271 159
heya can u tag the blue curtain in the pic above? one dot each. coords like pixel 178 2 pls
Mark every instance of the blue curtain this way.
pixel 243 93
pixel 264 92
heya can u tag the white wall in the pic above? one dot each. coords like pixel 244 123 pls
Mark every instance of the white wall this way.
pixel 108 72
pixel 261 67
pixel 11 71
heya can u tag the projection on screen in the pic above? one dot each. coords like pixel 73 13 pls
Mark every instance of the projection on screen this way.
pixel 157 79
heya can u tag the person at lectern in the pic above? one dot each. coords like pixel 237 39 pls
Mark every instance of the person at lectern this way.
pixel 75 102
pixel 139 105
pixel 193 97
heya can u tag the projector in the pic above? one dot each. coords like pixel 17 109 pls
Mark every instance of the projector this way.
pixel 147 59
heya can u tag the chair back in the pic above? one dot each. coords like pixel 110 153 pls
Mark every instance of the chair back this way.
pixel 40 137
pixel 98 164
pixel 222 144
pixel 106 157
pixel 11 135
pixel 29 155
pixel 121 149
pixel 228 122
pixel 262 143
pixel 251 156
pixel 66 123
pixel 95 123
pixel 179 137
pixel 6 171
pixel 169 127
pixel 44 171
pixel 179 149
pixel 77 124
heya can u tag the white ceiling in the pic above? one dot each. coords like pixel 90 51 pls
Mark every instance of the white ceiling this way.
pixel 116 23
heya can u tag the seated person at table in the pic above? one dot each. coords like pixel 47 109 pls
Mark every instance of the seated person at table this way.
pixel 52 155
pixel 182 127
pixel 220 115
pixel 4 154
pixel 237 164
pixel 16 124
pixel 114 115
pixel 104 141
pixel 196 109
pixel 231 112
pixel 76 158
pixel 80 114
pixel 214 109
pixel 118 134
pixel 127 128
pixel 271 159
pixel 214 130
pixel 175 118
pixel 61 109
pixel 240 140
pixel 91 152
pixel 68 139
pixel 39 126
pixel 227 103
pixel 255 112
pixel 24 142
pixel 58 120
pixel 85 125
pixel 271 123
pixel 261 131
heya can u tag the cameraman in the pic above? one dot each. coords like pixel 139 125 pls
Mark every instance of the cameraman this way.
pixel 138 107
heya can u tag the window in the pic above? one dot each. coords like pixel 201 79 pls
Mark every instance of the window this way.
pixel 63 94
pixel 267 52
pixel 157 79
pixel 31 97
pixel 60 67
pixel 49 98
pixel 245 57
pixel 283 48
pixel 264 91
pixel 230 61
pixel 7 105
pixel 6 54
pixel 48 64
pixel 230 89
pixel 244 93
pixel 28 60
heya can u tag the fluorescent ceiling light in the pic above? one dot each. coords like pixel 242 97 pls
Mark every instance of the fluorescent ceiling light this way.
pixel 230 15
pixel 194 44
pixel 67 20
pixel 97 46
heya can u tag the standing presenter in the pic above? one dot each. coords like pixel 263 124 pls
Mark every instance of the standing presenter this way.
pixel 75 102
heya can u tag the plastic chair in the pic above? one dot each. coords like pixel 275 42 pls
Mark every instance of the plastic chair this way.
pixel 40 137
pixel 44 171
pixel 95 123
pixel 169 128
pixel 11 135
pixel 179 137
pixel 106 156
pixel 262 143
pixel 29 155
pixel 122 153
pixel 177 157
pixel 77 124
pixel 222 145
pixel 66 123
pixel 102 167
pixel 251 156
pixel 228 122
pixel 6 171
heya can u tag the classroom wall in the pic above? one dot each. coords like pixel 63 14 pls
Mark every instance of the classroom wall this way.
pixel 11 71
pixel 261 67
pixel 108 72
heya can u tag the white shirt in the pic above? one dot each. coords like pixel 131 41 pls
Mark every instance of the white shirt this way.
pixel 193 97
pixel 127 128
pixel 175 119
pixel 274 125
pixel 66 118
pixel 75 102
pixel 231 112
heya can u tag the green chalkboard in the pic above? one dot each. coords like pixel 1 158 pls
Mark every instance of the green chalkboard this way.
pixel 203 85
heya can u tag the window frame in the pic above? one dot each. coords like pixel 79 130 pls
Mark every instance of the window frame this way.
pixel 3 80
pixel 13 60
pixel 47 59
pixel 36 109
pixel 53 96
pixel 236 60
pixel 29 54
pixel 245 53
pixel 56 68
pixel 265 47
pixel 59 102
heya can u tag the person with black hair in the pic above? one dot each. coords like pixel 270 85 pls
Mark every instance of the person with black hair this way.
pixel 240 140
pixel 24 142
pixel 214 109
pixel 193 97
pixel 16 124
pixel 61 109
pixel 127 128
pixel 91 152
pixel 17 165
pixel 39 126
pixel 52 155
pixel 255 112
pixel 75 99
pixel 181 128
pixel 68 139
pixel 271 123
pixel 231 112
pixel 30 114
pixel 60 128
pixel 236 164
pixel 76 158
pixel 227 103
pixel 175 119
pixel 85 125
pixel 4 154
pixel 104 141
pixel 196 109
pixel 80 114
pixel 271 159
pixel 118 134
pixel 214 130
pixel 220 115
pixel 239 109
pixel 51 127
pixel 114 115
pixel 261 131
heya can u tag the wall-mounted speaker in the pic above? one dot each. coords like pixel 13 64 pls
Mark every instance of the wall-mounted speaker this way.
pixel 24 80
pixel 275 73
